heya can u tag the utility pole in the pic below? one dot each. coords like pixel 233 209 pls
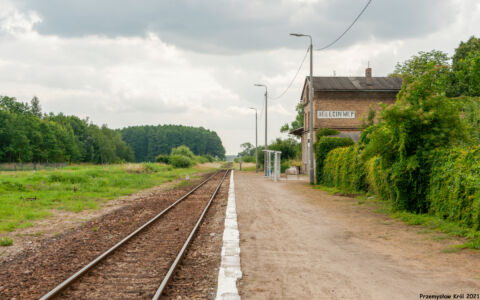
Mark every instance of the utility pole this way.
pixel 256 141
pixel 266 108
pixel 310 98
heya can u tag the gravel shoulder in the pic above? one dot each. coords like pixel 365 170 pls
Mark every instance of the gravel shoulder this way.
pixel 301 243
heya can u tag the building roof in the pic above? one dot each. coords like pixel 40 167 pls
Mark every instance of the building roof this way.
pixel 379 84
pixel 297 131
pixel 356 83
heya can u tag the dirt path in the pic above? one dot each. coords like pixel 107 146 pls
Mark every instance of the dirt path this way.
pixel 300 243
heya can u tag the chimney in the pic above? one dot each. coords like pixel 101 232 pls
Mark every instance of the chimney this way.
pixel 368 76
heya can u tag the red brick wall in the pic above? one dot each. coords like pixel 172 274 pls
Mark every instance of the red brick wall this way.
pixel 357 101
pixel 347 101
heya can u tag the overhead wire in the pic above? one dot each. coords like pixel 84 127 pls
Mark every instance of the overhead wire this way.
pixel 320 49
pixel 293 79
pixel 348 28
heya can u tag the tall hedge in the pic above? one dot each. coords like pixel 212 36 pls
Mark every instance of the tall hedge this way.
pixel 343 169
pixel 454 192
pixel 376 177
pixel 325 145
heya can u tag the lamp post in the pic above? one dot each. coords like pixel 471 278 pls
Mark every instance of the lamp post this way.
pixel 266 103
pixel 256 141
pixel 310 99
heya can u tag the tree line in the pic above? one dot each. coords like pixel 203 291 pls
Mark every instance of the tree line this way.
pixel 28 135
pixel 148 141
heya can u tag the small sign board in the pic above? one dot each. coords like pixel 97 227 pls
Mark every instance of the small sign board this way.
pixel 335 114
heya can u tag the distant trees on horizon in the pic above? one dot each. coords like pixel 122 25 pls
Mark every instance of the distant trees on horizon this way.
pixel 148 141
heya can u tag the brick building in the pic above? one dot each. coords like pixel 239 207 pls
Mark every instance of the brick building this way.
pixel 342 103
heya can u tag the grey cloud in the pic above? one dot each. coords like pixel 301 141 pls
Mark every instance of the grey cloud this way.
pixel 233 26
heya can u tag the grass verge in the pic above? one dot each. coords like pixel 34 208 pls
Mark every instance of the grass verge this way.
pixel 26 196
pixel 432 223
pixel 5 241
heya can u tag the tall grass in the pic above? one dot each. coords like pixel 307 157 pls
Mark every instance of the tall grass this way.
pixel 28 195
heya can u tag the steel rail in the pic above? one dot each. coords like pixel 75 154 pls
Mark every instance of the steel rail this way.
pixel 79 273
pixel 186 244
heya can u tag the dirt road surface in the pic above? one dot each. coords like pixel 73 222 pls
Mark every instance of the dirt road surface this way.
pixel 301 243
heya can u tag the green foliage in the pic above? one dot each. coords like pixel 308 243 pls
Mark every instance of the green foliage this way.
pixel 422 156
pixel 470 112
pixel 162 158
pixel 152 167
pixel 297 123
pixel 284 164
pixel 454 192
pixel 414 67
pixel 467 76
pixel 290 148
pixel 465 49
pixel 247 149
pixel 248 159
pixel 342 169
pixel 150 141
pixel 183 151
pixel 180 161
pixel 370 119
pixel 325 145
pixel 209 158
pixel 376 177
pixel 27 136
pixel 422 120
pixel 5 242
pixel 200 159
pixel 325 132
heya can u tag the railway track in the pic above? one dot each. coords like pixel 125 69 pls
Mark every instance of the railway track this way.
pixel 140 265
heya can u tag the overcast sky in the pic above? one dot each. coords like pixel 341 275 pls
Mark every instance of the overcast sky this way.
pixel 194 62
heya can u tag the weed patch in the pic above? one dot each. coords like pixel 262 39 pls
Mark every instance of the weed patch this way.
pixel 5 242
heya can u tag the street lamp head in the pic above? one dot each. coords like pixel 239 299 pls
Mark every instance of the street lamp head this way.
pixel 297 34
pixel 256 84
pixel 253 108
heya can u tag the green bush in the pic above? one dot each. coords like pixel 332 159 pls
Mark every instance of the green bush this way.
pixel 343 169
pixel 454 192
pixel 180 161
pixel 409 132
pixel 325 145
pixel 209 158
pixel 285 164
pixel 248 158
pixel 152 167
pixel 290 148
pixel 325 132
pixel 200 159
pixel 184 151
pixel 376 177
pixel 162 158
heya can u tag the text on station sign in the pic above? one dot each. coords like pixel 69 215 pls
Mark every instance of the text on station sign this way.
pixel 335 114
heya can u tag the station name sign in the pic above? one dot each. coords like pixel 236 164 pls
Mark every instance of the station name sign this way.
pixel 335 114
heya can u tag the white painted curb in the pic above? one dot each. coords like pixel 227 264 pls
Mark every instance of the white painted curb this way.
pixel 230 270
